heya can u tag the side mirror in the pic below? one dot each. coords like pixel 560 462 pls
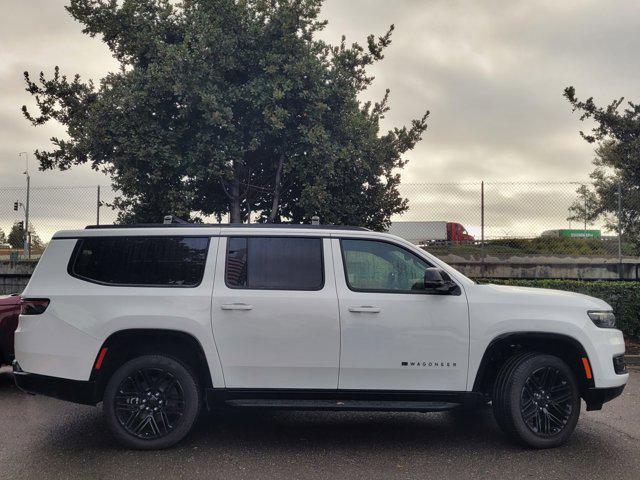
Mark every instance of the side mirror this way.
pixel 438 280
pixel 433 279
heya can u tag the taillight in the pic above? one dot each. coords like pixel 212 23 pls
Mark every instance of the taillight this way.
pixel 33 306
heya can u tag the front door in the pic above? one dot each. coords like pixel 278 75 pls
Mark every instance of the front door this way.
pixel 395 335
pixel 275 312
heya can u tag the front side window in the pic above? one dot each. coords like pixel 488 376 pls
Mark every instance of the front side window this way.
pixel 277 263
pixel 141 261
pixel 382 267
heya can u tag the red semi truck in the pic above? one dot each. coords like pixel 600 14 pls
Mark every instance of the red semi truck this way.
pixel 421 233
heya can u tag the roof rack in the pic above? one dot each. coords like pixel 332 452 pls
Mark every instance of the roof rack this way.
pixel 228 225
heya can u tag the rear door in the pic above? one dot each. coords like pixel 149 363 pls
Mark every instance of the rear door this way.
pixel 275 312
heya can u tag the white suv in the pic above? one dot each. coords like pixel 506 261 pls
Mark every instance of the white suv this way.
pixel 158 321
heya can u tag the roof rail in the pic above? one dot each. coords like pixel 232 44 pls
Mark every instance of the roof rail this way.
pixel 229 225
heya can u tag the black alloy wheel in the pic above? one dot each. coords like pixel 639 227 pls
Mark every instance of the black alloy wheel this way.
pixel 150 402
pixel 536 399
pixel 547 401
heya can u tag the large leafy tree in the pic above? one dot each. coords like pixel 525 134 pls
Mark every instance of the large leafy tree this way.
pixel 617 162
pixel 228 106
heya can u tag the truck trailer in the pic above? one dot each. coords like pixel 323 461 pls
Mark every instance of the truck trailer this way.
pixel 420 233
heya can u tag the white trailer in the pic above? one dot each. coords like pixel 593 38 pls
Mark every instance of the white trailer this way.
pixel 420 232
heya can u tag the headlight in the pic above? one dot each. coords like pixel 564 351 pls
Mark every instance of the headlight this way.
pixel 603 319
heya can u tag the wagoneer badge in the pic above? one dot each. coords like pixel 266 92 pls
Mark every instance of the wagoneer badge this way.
pixel 430 364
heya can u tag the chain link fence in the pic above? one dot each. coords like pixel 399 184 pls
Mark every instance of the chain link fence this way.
pixel 50 209
pixel 469 220
pixel 479 219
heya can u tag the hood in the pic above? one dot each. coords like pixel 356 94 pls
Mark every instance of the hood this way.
pixel 528 295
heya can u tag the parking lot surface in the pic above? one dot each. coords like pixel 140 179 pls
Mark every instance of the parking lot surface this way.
pixel 43 438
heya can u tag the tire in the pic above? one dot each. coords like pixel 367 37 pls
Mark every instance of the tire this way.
pixel 151 402
pixel 500 386
pixel 536 400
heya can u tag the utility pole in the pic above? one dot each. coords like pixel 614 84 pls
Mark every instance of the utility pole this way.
pixel 482 228
pixel 585 212
pixel 98 208
pixel 27 249
pixel 619 229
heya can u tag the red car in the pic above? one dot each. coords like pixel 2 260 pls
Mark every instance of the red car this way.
pixel 9 311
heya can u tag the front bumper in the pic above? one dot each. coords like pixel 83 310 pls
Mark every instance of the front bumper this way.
pixel 76 391
pixel 603 346
pixel 596 397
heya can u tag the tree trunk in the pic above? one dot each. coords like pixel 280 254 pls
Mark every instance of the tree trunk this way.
pixel 276 191
pixel 236 213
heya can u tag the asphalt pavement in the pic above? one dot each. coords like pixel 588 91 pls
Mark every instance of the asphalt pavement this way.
pixel 43 438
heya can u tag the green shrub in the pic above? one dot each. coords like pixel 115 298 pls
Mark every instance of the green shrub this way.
pixel 624 297
pixel 537 246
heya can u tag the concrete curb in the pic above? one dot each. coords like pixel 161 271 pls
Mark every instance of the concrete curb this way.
pixel 632 359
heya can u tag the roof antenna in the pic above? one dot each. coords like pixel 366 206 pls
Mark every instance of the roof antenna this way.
pixel 172 219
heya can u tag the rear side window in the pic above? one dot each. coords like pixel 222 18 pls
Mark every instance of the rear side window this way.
pixel 277 263
pixel 141 261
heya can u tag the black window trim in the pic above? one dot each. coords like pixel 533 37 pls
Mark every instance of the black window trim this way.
pixel 323 264
pixel 457 292
pixel 78 247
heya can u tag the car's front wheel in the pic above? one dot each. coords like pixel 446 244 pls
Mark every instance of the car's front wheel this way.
pixel 536 400
pixel 151 402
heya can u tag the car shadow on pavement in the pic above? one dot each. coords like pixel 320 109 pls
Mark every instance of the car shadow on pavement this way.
pixel 341 429
pixel 317 431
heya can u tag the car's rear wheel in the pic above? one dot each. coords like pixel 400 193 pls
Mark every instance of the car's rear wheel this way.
pixel 151 402
pixel 536 400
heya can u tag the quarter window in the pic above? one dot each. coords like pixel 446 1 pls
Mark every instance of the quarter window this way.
pixel 381 267
pixel 278 263
pixel 141 261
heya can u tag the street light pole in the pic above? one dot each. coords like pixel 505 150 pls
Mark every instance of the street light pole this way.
pixel 27 250
pixel 98 208
pixel 619 229
pixel 482 228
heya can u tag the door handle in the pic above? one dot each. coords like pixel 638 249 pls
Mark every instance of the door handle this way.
pixel 365 309
pixel 236 306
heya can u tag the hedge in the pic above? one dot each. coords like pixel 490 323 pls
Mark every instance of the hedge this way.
pixel 624 297
pixel 536 246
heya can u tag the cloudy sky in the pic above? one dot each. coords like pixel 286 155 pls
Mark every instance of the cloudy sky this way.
pixel 491 73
